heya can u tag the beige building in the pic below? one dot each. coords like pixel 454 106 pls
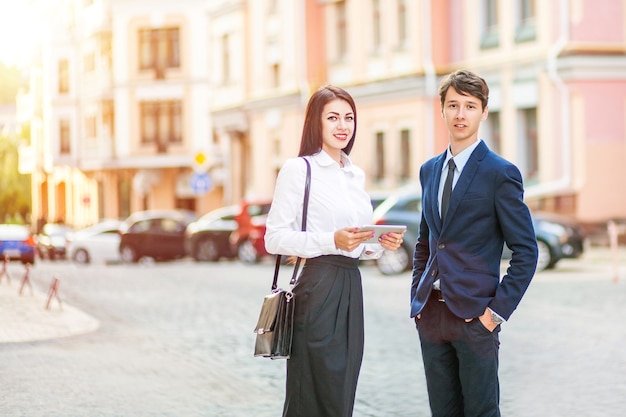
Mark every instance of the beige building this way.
pixel 137 96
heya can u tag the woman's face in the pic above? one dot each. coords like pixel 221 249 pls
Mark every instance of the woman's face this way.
pixel 337 127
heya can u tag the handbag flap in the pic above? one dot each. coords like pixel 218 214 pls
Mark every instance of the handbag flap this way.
pixel 267 318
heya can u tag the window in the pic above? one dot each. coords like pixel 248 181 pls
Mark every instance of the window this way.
pixel 494 140
pixel 225 59
pixel 64 76
pixel 379 173
pixel 161 123
pixel 402 26
pixel 272 7
pixel 124 191
pixel 108 117
pixel 64 136
pixel 159 49
pixel 276 75
pixel 529 154
pixel 90 127
pixel 342 35
pixel 490 38
pixel 405 155
pixel 89 62
pixel 525 30
pixel 376 30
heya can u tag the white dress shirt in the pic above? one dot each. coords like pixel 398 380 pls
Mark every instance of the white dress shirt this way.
pixel 337 200
pixel 459 160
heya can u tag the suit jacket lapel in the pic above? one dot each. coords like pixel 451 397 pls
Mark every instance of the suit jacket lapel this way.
pixel 469 170
pixel 434 192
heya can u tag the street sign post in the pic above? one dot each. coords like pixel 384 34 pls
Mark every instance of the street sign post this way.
pixel 201 183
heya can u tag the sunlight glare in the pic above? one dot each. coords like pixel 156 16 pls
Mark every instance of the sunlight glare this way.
pixel 18 31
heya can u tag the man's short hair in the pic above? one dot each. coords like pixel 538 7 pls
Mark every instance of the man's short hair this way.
pixel 467 83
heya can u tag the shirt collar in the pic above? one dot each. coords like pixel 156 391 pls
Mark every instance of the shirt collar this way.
pixel 461 159
pixel 324 159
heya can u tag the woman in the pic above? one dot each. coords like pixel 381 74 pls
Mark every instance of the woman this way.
pixel 327 345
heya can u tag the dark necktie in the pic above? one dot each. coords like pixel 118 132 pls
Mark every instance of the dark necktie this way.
pixel 447 189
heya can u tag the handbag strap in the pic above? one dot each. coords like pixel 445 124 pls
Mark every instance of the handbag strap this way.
pixel 305 207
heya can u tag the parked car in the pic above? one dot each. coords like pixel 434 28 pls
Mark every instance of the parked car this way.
pixel 402 207
pixel 99 243
pixel 17 243
pixel 155 234
pixel 208 238
pixel 248 240
pixel 377 197
pixel 52 241
pixel 557 238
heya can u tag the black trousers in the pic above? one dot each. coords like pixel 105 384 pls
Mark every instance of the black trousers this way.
pixel 327 348
pixel 461 363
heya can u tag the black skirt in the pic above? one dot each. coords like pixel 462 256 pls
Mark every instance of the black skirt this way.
pixel 327 348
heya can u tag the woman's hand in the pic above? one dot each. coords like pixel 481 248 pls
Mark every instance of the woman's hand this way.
pixel 350 238
pixel 391 240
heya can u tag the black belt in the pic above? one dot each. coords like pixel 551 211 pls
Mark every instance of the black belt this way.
pixel 438 295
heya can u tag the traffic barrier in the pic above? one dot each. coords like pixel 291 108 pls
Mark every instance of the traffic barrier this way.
pixel 614 230
pixel 26 281
pixel 4 271
pixel 53 292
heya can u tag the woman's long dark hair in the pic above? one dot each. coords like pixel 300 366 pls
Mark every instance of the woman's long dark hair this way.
pixel 312 139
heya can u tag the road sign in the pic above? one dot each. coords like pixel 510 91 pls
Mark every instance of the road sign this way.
pixel 200 162
pixel 201 183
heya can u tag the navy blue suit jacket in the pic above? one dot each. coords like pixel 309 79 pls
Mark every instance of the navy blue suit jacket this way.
pixel 486 210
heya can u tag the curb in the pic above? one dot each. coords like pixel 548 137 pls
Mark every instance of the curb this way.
pixel 24 318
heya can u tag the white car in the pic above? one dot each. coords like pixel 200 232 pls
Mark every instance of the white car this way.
pixel 95 244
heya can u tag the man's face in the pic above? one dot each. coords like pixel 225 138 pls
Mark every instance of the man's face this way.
pixel 463 114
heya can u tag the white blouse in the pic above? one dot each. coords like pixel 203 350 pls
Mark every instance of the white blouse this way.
pixel 337 200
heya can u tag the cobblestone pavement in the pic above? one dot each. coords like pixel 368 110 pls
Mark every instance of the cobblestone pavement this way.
pixel 176 339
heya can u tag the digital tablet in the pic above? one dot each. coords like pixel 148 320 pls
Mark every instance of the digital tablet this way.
pixel 381 229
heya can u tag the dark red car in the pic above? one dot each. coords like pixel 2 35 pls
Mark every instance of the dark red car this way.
pixel 248 239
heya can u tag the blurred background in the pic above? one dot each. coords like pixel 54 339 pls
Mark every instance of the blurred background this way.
pixel 109 107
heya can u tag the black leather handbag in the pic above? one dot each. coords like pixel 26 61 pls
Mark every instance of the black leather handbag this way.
pixel 274 330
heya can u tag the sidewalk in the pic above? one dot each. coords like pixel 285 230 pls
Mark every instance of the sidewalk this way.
pixel 24 318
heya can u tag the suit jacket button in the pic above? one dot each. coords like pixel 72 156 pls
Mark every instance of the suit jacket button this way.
pixel 433 273
pixel 441 246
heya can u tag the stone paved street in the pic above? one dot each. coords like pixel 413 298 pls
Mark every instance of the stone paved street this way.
pixel 176 339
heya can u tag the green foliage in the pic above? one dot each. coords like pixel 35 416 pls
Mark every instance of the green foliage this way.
pixel 15 195
pixel 10 82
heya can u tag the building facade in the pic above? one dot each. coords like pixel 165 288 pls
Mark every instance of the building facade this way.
pixel 140 99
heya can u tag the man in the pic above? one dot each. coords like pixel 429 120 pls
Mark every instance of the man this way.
pixel 457 298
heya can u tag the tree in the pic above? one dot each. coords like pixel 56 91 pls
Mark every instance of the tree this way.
pixel 15 195
pixel 11 80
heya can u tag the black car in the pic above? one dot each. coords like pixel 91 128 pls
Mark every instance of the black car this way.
pixel 154 234
pixel 557 238
pixel 208 238
pixel 52 241
pixel 562 238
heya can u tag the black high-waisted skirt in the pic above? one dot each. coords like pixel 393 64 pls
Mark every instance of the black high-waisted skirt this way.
pixel 327 348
